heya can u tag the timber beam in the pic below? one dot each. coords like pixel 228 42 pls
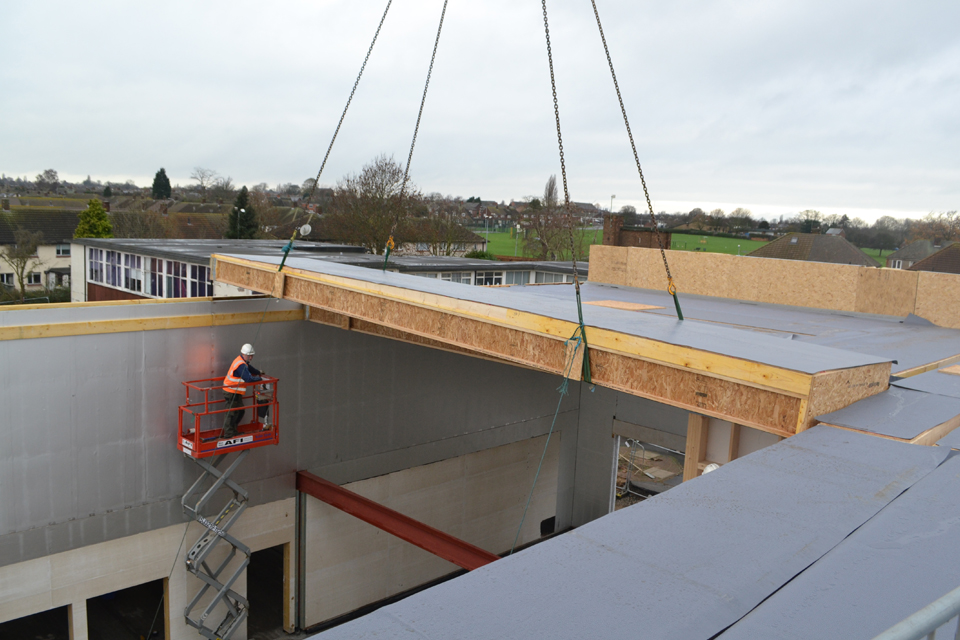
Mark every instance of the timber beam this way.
pixel 765 397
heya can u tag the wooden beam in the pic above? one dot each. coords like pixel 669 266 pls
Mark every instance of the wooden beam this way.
pixel 757 395
pixel 698 428
pixel 733 451
pixel 461 553
pixel 61 329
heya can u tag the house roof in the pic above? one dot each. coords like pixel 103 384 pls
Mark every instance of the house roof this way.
pixel 814 247
pixel 420 231
pixel 57 225
pixel 917 250
pixel 947 260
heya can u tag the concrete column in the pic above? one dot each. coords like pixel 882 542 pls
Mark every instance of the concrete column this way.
pixel 77 613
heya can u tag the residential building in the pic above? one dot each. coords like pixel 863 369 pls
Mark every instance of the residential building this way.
pixel 946 260
pixel 51 268
pixel 814 247
pixel 914 252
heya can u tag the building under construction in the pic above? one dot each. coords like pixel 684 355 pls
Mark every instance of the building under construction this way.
pixel 409 432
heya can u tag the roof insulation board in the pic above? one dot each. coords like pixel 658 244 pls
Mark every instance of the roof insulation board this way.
pixel 686 564
pixel 711 337
pixel 910 343
pixel 894 565
pixel 898 413
pixel 943 384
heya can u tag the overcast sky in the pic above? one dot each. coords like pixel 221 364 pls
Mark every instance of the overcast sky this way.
pixel 848 106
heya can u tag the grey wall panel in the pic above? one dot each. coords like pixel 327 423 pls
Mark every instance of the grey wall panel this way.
pixel 651 414
pixel 89 421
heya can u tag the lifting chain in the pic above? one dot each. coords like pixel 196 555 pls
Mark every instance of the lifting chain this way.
pixel 413 142
pixel 671 287
pixel 343 115
pixel 563 164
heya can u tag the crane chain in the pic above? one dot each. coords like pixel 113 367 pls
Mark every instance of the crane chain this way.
pixel 343 115
pixel 563 164
pixel 633 147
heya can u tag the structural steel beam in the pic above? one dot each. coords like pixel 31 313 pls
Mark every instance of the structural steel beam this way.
pixel 460 553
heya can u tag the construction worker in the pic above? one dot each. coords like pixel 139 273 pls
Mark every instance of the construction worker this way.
pixel 240 372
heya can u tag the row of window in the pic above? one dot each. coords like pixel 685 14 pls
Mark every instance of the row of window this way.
pixel 34 277
pixel 154 277
pixel 496 278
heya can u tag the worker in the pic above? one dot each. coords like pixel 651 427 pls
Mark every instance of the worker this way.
pixel 240 372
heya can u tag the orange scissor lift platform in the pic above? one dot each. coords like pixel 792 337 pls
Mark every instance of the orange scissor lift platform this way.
pixel 200 422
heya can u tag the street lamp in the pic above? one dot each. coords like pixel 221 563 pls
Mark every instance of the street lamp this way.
pixel 611 203
pixel 516 242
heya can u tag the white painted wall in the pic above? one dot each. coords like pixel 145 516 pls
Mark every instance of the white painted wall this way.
pixel 478 497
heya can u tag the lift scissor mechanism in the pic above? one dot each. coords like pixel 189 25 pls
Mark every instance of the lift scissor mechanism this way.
pixel 201 438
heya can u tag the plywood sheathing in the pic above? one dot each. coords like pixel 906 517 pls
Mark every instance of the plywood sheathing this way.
pixel 892 292
pixel 749 393
pixel 938 298
pixel 834 390
pixel 620 304
pixel 818 285
pixel 954 370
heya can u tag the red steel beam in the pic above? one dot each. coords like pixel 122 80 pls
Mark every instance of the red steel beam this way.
pixel 437 542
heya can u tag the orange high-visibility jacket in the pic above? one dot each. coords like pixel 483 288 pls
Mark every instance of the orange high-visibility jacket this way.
pixel 231 383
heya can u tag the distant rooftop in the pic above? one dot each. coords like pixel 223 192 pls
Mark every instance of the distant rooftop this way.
pixel 813 247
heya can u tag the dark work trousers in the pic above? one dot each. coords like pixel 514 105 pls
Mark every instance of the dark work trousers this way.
pixel 232 418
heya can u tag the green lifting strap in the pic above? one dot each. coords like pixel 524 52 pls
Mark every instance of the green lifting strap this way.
pixel 582 333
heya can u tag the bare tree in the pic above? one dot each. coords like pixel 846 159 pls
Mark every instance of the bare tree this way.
pixel 22 256
pixel 204 178
pixel 554 232
pixel 141 224
pixel 49 180
pixel 223 189
pixel 366 208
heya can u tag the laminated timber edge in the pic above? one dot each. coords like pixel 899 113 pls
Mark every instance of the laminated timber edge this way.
pixel 765 397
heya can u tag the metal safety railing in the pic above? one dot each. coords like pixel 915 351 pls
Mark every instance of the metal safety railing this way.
pixel 926 622
pixel 201 419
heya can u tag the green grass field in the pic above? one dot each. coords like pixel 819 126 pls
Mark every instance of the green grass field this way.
pixel 501 243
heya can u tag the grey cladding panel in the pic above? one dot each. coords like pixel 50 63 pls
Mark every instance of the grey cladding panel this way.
pixel 944 384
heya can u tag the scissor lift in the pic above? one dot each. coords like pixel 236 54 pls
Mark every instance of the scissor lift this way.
pixel 200 437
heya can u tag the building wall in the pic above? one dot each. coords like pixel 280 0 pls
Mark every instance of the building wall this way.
pixel 478 497
pixel 99 293
pixel 89 430
pixel 46 259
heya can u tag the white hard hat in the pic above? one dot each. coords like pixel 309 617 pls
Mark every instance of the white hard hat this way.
pixel 247 349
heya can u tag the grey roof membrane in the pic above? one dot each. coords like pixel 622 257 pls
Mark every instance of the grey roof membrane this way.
pixel 889 337
pixel 897 412
pixel 900 561
pixel 686 564
pixel 944 384
pixel 559 302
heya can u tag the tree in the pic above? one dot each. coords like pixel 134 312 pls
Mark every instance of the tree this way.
pixel 223 189
pixel 107 192
pixel 141 224
pixel 763 225
pixel 48 180
pixel 242 222
pixel 308 187
pixel 94 222
pixel 204 178
pixel 366 208
pixel 553 229
pixel 161 186
pixel 937 227
pixel 22 256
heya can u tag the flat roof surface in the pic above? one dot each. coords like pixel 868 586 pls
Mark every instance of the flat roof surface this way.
pixel 897 412
pixel 694 560
pixel 910 341
pixel 559 302
pixel 898 562
pixel 944 384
